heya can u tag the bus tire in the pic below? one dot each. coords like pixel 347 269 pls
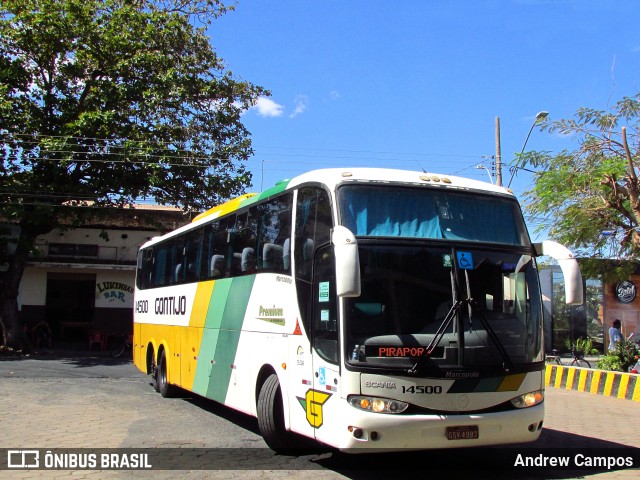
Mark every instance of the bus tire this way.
pixel 271 416
pixel 164 387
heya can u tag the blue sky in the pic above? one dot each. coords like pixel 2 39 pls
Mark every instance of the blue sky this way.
pixel 418 84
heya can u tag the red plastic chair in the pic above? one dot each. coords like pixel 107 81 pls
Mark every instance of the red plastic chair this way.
pixel 99 338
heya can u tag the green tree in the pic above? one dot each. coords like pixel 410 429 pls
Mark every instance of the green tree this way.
pixel 106 101
pixel 621 358
pixel 589 197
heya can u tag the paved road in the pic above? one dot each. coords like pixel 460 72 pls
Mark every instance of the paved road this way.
pixel 102 403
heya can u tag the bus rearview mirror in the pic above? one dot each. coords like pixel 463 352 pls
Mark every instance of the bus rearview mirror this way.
pixel 570 270
pixel 345 248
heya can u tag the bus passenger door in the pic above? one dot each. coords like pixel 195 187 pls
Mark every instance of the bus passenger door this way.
pixel 323 399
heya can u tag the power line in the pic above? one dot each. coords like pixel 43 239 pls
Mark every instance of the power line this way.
pixel 370 152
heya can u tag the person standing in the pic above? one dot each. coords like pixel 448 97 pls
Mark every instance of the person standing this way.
pixel 615 335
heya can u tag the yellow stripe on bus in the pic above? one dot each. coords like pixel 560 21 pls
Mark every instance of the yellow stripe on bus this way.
pixel 191 336
pixel 224 208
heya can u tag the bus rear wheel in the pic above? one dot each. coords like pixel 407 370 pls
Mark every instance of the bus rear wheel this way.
pixel 163 386
pixel 271 416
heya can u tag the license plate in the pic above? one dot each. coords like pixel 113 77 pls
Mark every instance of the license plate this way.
pixel 463 432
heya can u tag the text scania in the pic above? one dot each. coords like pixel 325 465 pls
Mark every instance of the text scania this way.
pixel 171 305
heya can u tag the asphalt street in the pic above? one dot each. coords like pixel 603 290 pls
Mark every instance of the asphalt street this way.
pixel 96 402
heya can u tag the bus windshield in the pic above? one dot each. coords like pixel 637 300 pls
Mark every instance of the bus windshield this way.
pixel 474 308
pixel 434 213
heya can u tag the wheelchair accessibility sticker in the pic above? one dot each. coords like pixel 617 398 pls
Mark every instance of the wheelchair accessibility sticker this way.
pixel 465 260
pixel 322 376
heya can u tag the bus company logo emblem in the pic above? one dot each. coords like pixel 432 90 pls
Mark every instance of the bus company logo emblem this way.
pixel 312 404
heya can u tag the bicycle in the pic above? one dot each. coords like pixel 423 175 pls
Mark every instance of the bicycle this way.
pixel 577 359
pixel 123 344
pixel 553 358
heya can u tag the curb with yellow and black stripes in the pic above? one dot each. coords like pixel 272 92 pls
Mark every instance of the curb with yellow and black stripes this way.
pixel 597 382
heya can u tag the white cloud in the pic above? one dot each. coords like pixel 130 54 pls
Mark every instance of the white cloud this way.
pixel 334 95
pixel 301 102
pixel 268 108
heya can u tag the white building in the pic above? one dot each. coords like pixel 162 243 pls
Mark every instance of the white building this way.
pixel 81 281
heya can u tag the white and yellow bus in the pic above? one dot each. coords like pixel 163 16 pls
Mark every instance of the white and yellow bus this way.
pixel 363 308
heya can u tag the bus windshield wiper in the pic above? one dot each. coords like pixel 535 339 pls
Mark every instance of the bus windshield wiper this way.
pixel 451 314
pixel 473 309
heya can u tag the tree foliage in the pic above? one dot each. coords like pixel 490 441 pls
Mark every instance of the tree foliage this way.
pixel 589 198
pixel 106 101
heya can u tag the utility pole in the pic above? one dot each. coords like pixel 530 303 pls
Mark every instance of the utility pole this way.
pixel 498 154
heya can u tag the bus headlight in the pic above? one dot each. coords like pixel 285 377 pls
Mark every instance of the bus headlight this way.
pixel 377 404
pixel 528 399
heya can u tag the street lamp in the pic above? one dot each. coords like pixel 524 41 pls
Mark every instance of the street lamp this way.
pixel 540 116
pixel 483 166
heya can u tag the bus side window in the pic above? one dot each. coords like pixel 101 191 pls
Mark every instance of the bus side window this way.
pixel 325 312
pixel 193 252
pixel 243 242
pixel 214 250
pixel 274 230
pixel 313 227
pixel 160 265
pixel 312 230
pixel 177 259
pixel 144 276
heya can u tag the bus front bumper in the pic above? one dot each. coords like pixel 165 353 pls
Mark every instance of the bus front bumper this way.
pixel 382 432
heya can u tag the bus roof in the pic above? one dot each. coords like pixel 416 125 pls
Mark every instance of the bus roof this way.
pixel 334 176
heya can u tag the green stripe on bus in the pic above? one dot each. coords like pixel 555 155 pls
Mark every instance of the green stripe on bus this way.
pixel 279 187
pixel 206 360
pixel 221 336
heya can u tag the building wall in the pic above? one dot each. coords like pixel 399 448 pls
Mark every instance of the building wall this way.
pixel 116 245
pixel 111 309
pixel 102 262
pixel 82 279
pixel 628 313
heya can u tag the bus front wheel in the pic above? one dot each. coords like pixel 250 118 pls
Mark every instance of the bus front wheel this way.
pixel 271 416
